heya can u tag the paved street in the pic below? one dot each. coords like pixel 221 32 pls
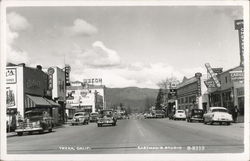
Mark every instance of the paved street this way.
pixel 133 136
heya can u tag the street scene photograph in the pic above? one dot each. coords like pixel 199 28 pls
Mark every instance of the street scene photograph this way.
pixel 125 79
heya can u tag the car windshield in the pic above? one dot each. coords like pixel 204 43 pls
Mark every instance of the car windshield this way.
pixel 33 114
pixel 219 110
pixel 106 113
pixel 180 111
pixel 158 111
pixel 198 111
pixel 79 114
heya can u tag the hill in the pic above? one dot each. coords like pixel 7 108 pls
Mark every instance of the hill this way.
pixel 138 99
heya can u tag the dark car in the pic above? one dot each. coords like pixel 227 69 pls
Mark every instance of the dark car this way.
pixel 93 117
pixel 159 114
pixel 195 115
pixel 106 117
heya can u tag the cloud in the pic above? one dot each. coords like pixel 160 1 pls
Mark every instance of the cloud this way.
pixel 15 24
pixel 81 27
pixel 98 56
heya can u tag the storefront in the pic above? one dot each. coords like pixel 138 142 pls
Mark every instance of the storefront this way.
pixel 189 93
pixel 26 88
pixel 231 91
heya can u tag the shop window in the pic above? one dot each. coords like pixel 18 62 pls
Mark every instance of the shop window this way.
pixel 226 79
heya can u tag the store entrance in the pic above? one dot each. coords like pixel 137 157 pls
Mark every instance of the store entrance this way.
pixel 241 105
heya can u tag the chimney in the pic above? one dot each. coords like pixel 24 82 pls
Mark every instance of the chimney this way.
pixel 22 64
pixel 39 67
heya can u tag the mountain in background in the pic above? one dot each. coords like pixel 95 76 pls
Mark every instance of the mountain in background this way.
pixel 137 99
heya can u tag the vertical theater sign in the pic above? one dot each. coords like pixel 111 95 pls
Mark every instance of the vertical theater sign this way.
pixel 239 25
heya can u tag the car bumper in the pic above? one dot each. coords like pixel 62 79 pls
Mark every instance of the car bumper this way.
pixel 29 129
pixel 105 122
pixel 222 120
pixel 196 119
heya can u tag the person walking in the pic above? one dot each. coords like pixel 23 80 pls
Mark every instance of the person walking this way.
pixel 235 113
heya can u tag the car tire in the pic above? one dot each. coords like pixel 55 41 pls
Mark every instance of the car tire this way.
pixel 20 133
pixel 211 122
pixel 30 132
pixel 41 131
pixel 50 130
pixel 190 120
pixel 228 123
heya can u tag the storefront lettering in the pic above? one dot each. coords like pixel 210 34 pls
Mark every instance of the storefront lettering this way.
pixel 33 84
pixel 10 76
pixel 93 80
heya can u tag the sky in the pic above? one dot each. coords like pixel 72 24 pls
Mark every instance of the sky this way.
pixel 125 45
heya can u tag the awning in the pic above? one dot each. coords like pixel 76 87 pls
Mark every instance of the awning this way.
pixel 53 103
pixel 34 101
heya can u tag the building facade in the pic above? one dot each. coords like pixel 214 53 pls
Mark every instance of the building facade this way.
pixel 191 93
pixel 84 97
pixel 231 91
pixel 26 89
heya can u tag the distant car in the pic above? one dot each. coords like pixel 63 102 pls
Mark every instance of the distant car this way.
pixel 195 115
pixel 159 114
pixel 35 121
pixel 80 118
pixel 148 116
pixel 179 115
pixel 93 117
pixel 106 117
pixel 219 115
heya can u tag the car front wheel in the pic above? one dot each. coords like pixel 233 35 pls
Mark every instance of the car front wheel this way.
pixel 19 133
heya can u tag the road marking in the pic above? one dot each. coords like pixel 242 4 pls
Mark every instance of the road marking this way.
pixel 140 129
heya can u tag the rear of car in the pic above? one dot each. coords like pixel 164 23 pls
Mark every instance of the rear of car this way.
pixel 218 115
pixel 106 117
pixel 159 114
pixel 80 118
pixel 179 115
pixel 195 115
pixel 93 117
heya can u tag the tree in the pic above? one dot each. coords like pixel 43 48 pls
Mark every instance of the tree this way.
pixel 166 83
pixel 159 100
pixel 149 101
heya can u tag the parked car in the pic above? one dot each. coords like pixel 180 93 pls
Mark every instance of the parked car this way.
pixel 93 117
pixel 179 115
pixel 219 115
pixel 106 117
pixel 195 115
pixel 80 118
pixel 159 114
pixel 35 121
pixel 148 115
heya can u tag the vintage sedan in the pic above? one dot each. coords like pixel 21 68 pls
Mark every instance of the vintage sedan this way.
pixel 80 118
pixel 106 117
pixel 35 121
pixel 217 115
pixel 93 117
pixel 195 115
pixel 179 115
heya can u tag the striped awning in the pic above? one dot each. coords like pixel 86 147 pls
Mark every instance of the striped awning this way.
pixel 52 103
pixel 34 101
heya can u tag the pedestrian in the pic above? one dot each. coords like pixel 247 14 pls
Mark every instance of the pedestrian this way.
pixel 235 113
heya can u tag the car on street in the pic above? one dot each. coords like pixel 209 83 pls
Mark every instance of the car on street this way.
pixel 106 117
pixel 179 115
pixel 93 117
pixel 195 115
pixel 35 121
pixel 80 118
pixel 158 114
pixel 148 115
pixel 217 115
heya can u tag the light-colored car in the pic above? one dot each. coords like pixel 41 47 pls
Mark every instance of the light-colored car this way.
pixel 179 115
pixel 219 115
pixel 106 117
pixel 80 118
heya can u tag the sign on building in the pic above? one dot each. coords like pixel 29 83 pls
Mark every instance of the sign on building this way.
pixel 239 25
pixel 50 73
pixel 93 81
pixel 237 75
pixel 210 84
pixel 67 71
pixel 11 75
pixel 213 75
pixel 11 96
